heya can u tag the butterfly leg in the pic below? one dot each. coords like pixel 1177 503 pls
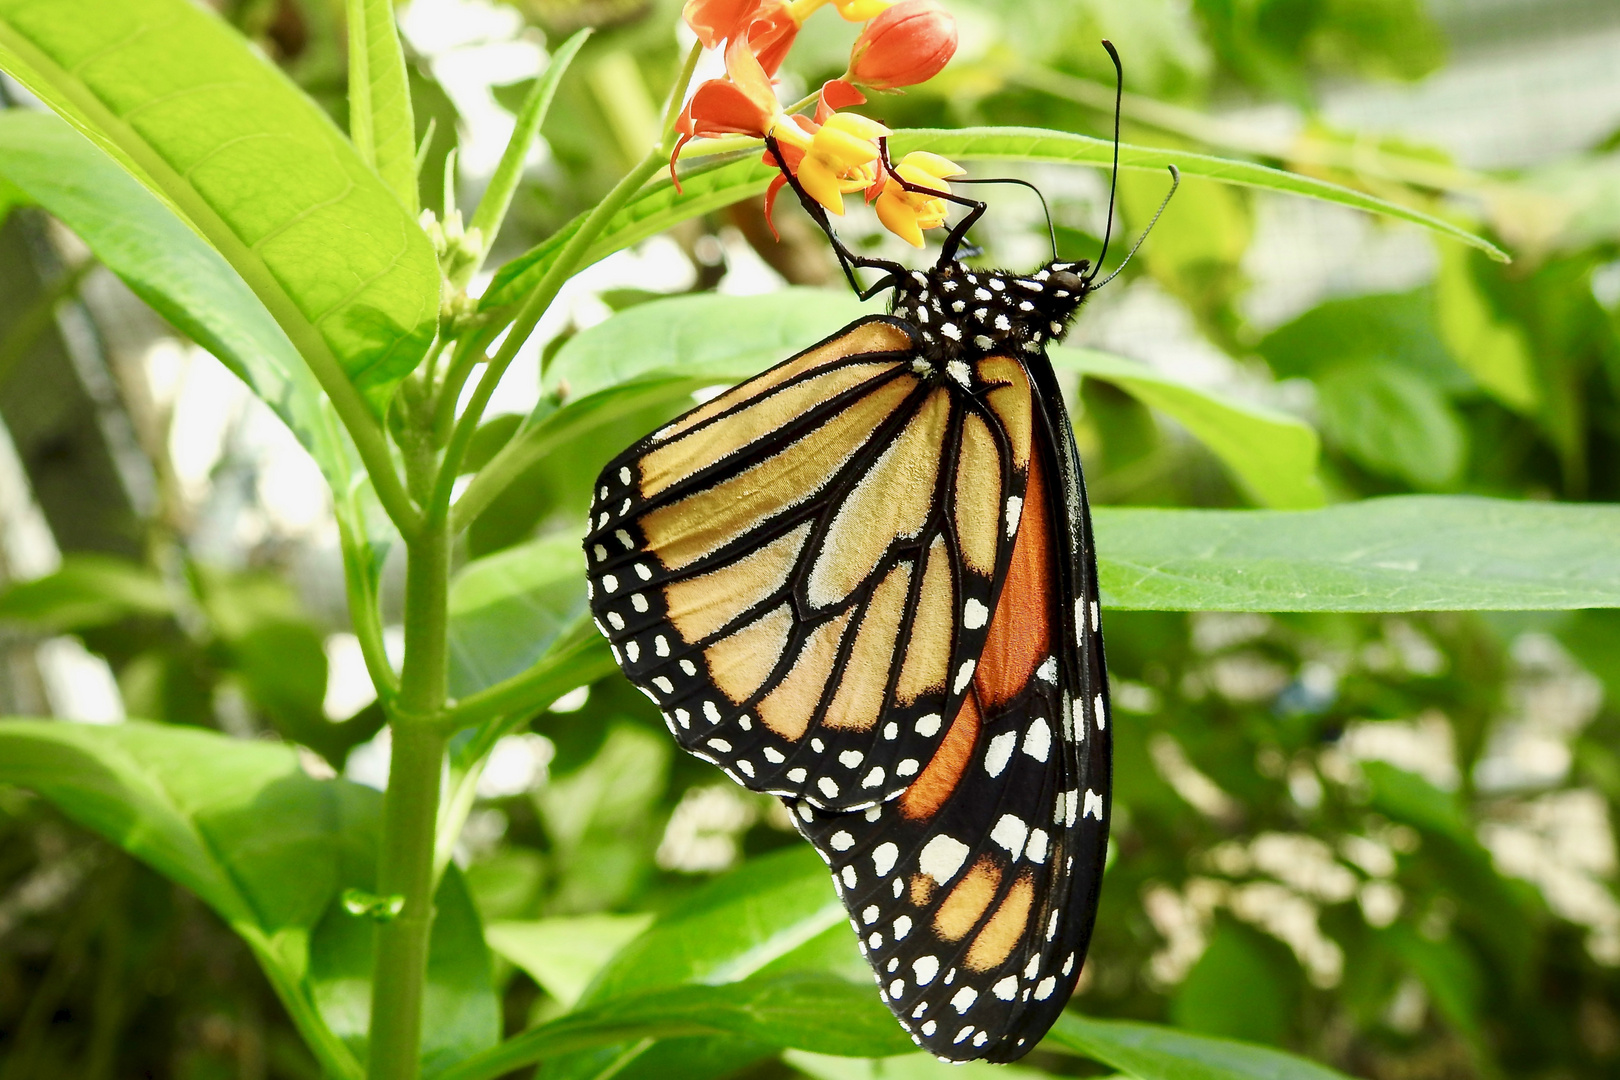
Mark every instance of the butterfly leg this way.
pixel 848 260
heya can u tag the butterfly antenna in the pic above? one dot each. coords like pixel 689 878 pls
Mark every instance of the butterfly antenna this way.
pixel 1113 180
pixel 1175 182
pixel 1051 230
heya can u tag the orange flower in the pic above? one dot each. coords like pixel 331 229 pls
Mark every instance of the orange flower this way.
pixel 908 213
pixel 714 21
pixel 904 45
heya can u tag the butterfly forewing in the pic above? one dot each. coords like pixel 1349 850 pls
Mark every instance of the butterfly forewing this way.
pixel 972 893
pixel 800 573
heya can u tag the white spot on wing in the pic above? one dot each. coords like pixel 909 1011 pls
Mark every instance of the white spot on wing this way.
pixel 883 858
pixel 942 857
pixel 1010 832
pixel 1038 739
pixel 928 726
pixel 963 674
pixel 828 786
pixel 1006 989
pixel 850 758
pixel 840 840
pixel 1036 851
pixel 1102 713
pixel 964 999
pixel 999 752
pixel 974 614
pixel 924 968
pixel 1094 805
pixel 1044 988
pixel 1015 510
pixel 1048 670
pixel 902 927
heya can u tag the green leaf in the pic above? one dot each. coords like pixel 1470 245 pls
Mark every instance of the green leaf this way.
pixel 1273 455
pixel 1393 422
pixel 732 928
pixel 253 165
pixel 497 197
pixel 563 955
pixel 1406 553
pixel 800 1010
pixel 271 851
pixel 380 121
pixel 507 609
pixel 717 184
pixel 184 279
pixel 1237 956
pixel 1152 1052
pixel 774 914
pixel 1492 350
pixel 85 592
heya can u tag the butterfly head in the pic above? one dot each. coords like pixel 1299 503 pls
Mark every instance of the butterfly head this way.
pixel 960 312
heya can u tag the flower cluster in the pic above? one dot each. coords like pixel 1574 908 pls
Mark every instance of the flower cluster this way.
pixel 832 153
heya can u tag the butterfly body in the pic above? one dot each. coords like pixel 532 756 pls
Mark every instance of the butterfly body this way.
pixel 863 581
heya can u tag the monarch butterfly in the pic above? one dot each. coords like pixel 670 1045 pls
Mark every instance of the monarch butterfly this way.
pixel 864 581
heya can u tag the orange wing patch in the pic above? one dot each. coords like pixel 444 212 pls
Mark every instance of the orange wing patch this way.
pixel 1020 635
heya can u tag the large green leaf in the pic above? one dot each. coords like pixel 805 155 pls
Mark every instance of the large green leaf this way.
pixel 1153 1052
pixel 180 100
pixel 1405 553
pixel 272 851
pixel 134 234
pixel 712 186
pixel 801 1010
pixel 174 270
pixel 1273 455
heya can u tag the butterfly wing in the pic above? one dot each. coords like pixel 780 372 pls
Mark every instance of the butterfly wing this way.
pixel 974 893
pixel 800 573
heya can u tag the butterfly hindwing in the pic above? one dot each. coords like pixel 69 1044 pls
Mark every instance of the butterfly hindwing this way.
pixel 800 573
pixel 973 893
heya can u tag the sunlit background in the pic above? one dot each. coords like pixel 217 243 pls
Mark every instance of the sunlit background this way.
pixel 1385 842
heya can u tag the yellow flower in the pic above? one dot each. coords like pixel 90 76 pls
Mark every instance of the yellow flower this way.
pixel 860 10
pixel 841 157
pixel 908 213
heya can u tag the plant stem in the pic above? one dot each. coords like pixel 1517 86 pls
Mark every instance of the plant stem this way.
pixel 411 809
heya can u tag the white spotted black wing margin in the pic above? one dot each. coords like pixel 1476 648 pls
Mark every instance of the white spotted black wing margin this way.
pixel 800 573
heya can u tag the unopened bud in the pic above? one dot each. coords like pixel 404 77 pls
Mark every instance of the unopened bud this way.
pixel 904 45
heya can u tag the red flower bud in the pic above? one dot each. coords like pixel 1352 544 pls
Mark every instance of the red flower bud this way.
pixel 904 45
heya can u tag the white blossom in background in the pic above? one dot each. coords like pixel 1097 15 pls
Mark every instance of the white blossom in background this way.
pixel 348 683
pixel 1194 786
pixel 1424 746
pixel 1553 700
pixel 1563 843
pixel 517 765
pixel 703 833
